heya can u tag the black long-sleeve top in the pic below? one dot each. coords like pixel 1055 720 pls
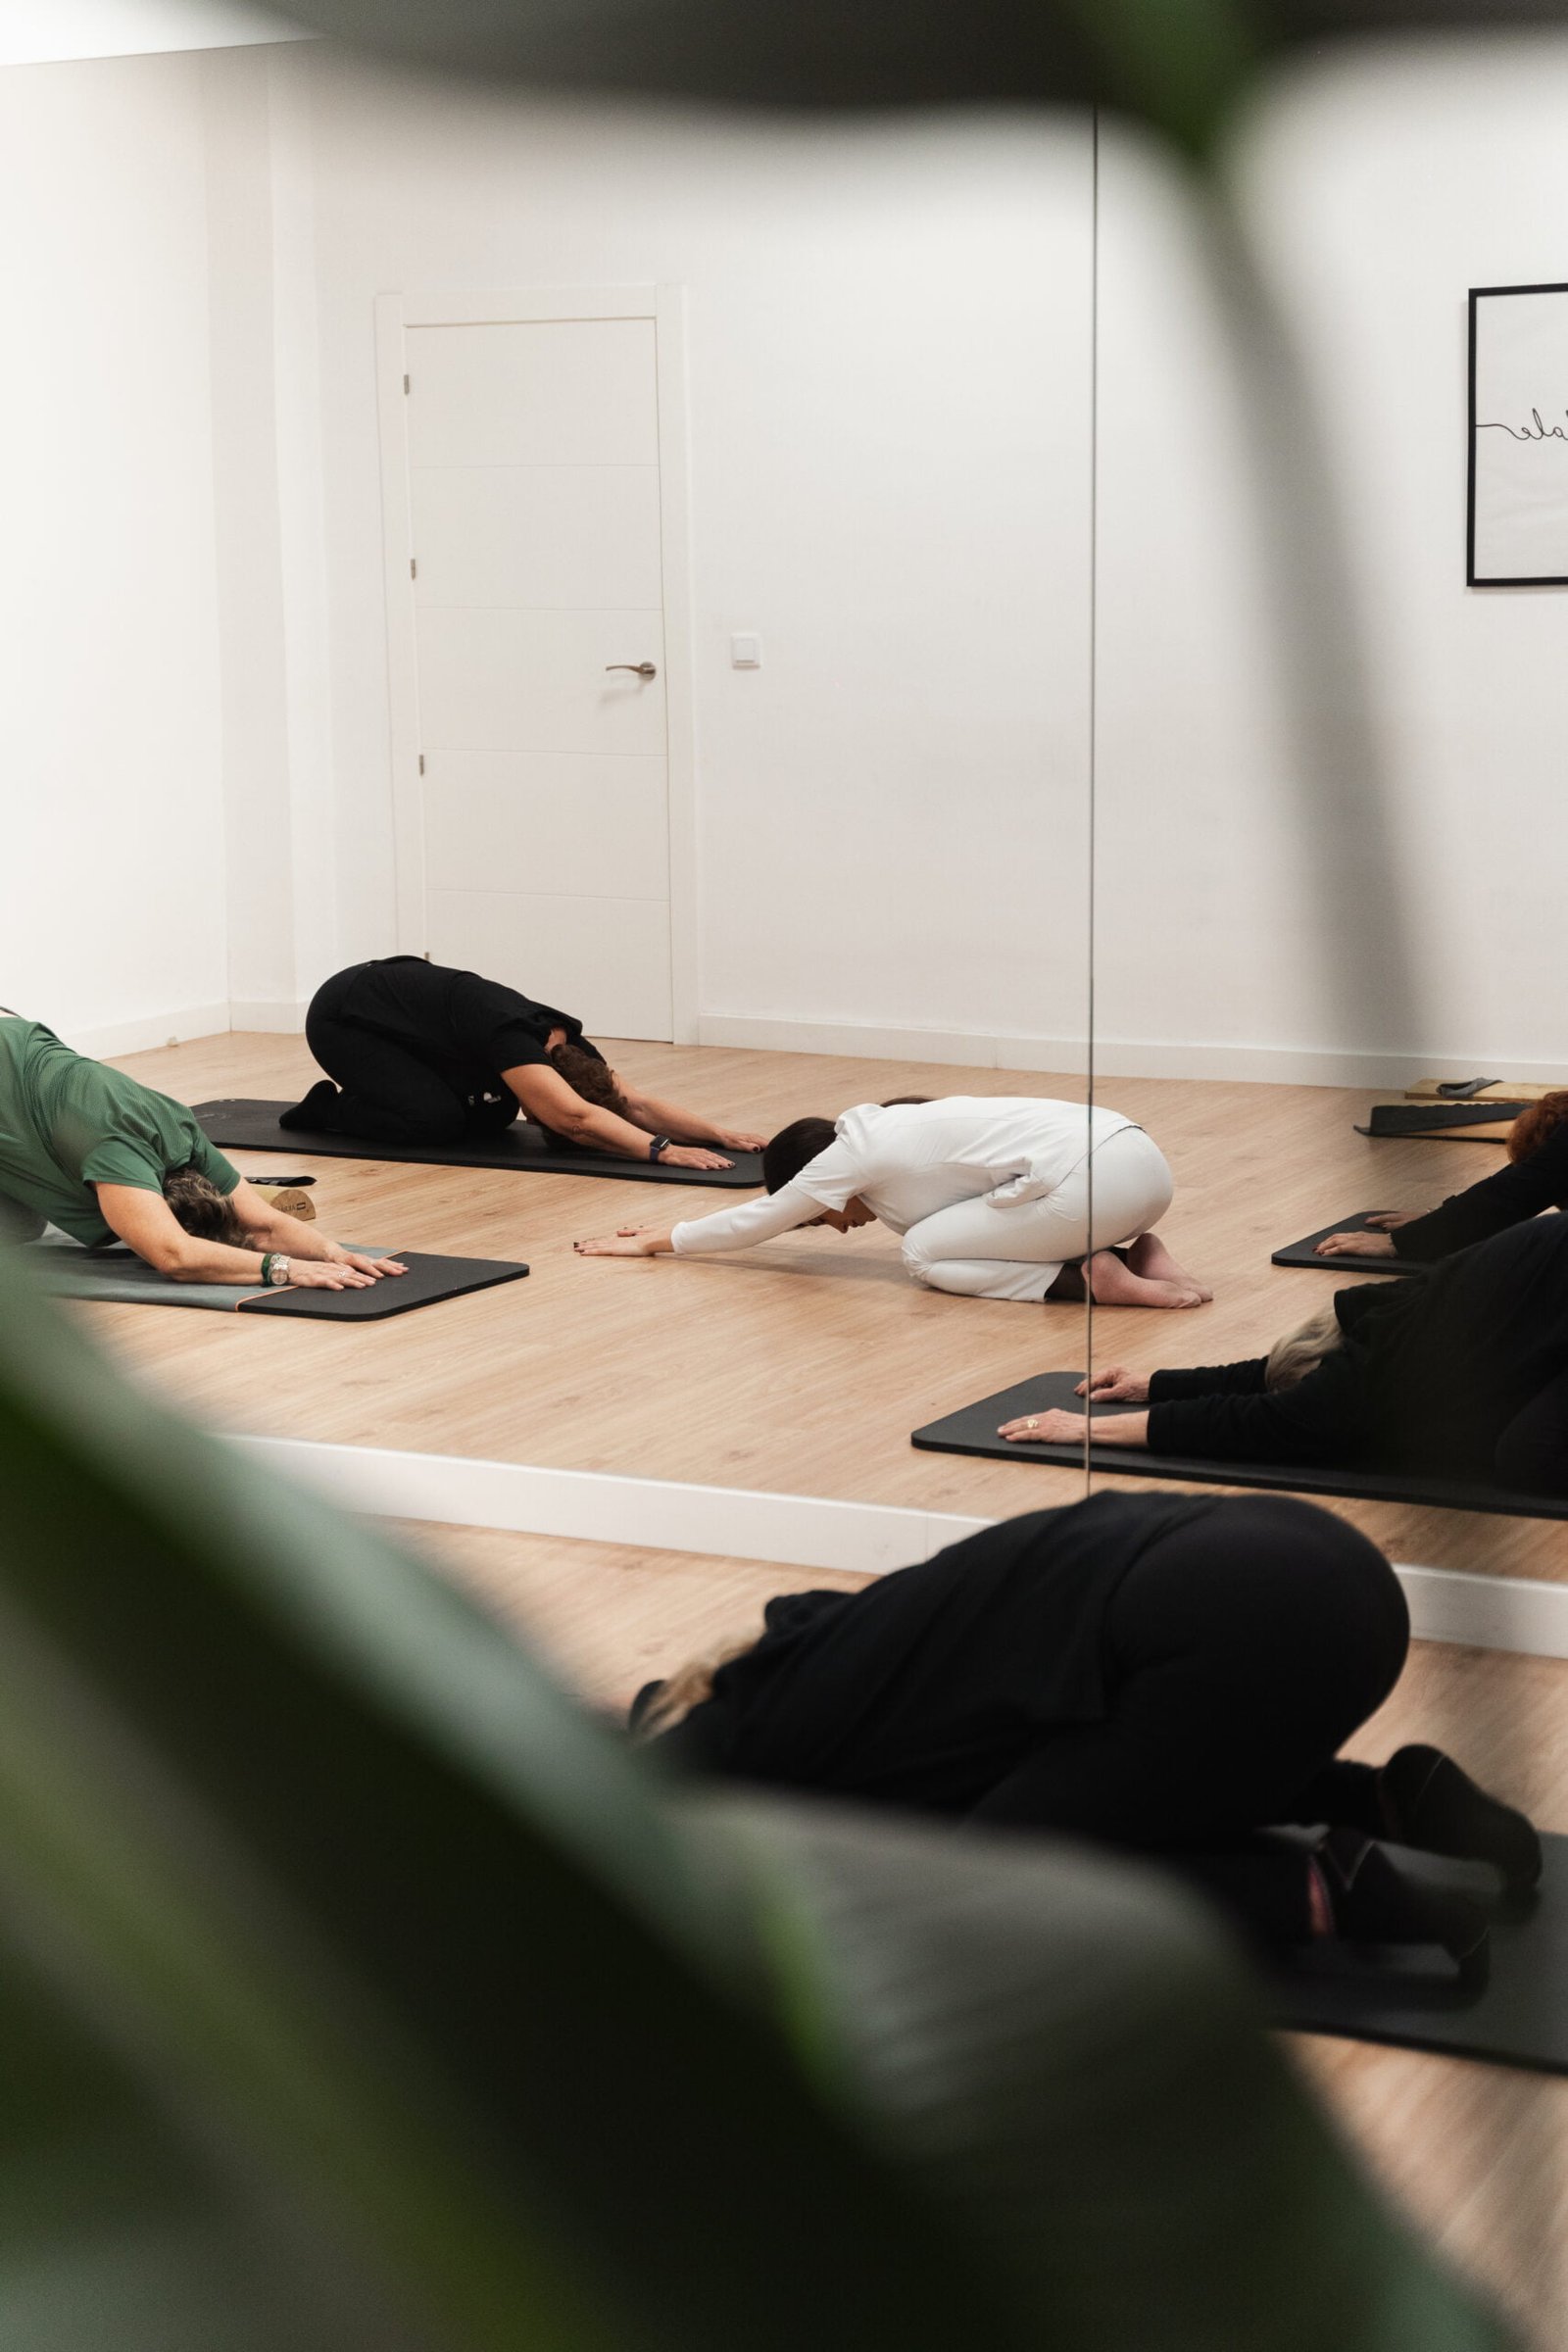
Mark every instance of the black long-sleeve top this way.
pixel 1521 1189
pixel 1462 1372
pixel 930 1685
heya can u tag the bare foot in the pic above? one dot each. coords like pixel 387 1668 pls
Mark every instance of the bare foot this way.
pixel 1116 1284
pixel 1150 1257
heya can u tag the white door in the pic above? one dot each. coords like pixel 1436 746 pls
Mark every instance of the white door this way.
pixel 534 506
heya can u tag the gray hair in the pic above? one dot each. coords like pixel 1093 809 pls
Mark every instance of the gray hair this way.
pixel 1302 1350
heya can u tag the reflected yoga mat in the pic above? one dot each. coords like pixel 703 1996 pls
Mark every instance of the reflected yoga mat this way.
pixel 245 1126
pixel 1349 1269
pixel 1486 1122
pixel 119 1278
pixel 1411 1998
pixel 973 1430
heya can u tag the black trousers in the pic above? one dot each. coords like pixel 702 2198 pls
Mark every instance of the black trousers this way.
pixel 389 1095
pixel 1241 1651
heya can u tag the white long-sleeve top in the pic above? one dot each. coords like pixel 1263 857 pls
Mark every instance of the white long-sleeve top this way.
pixel 910 1160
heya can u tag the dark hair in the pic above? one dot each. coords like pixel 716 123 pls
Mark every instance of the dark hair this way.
pixel 787 1153
pixel 1532 1127
pixel 204 1212
pixel 589 1075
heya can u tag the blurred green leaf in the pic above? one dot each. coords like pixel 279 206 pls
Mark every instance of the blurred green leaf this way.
pixel 1177 64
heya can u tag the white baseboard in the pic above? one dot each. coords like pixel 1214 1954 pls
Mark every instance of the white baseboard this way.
pixel 1114 1057
pixel 799 1530
pixel 273 1018
pixel 153 1029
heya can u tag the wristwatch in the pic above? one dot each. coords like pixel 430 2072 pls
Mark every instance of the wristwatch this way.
pixel 659 1147
pixel 274 1271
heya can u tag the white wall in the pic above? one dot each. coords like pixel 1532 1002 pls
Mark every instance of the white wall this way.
pixel 1383 193
pixel 889 416
pixel 112 917
pixel 1244 926
pixel 889 375
pixel 890 423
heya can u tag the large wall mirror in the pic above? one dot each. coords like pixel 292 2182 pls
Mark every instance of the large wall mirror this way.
pixel 1010 729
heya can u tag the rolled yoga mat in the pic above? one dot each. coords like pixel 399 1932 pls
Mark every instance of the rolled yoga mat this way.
pixel 1479 1090
pixel 245 1126
pixel 119 1278
pixel 973 1430
pixel 1412 1999
pixel 1350 1269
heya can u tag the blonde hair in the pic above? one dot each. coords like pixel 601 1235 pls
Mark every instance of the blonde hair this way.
pixel 1302 1350
pixel 687 1688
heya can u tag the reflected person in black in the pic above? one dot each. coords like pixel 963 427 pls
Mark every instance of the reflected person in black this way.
pixel 1171 1675
pixel 420 1053
pixel 1535 1179
pixel 1460 1373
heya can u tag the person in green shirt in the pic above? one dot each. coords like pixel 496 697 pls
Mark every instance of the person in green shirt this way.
pixel 105 1159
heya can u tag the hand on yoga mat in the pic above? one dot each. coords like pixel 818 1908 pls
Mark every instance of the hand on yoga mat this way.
pixel 374 1267
pixel 697 1156
pixel 734 1140
pixel 1116 1385
pixel 347 1273
pixel 1358 1244
pixel 1384 1221
pixel 1053 1428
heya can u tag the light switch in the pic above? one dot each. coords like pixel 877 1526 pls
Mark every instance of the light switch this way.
pixel 746 652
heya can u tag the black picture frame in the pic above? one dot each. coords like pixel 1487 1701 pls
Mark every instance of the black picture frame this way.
pixel 1476 425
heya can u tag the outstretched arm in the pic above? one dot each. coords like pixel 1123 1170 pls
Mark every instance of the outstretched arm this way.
pixel 762 1219
pixel 546 1097
pixel 146 1223
pixel 1059 1428
pixel 686 1126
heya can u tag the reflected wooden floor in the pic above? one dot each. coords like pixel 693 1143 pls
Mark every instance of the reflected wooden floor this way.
pixel 802 1367
pixel 1477 2155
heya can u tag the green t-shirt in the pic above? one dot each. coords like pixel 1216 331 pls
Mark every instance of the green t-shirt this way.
pixel 67 1124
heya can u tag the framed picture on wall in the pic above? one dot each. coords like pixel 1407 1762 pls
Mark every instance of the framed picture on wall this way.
pixel 1517 535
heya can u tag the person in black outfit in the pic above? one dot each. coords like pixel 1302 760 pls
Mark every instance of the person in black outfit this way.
pixel 1459 1373
pixel 1536 1179
pixel 426 1054
pixel 1171 1675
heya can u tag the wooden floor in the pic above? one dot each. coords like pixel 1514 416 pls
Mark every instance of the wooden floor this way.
pixel 802 1367
pixel 1477 2155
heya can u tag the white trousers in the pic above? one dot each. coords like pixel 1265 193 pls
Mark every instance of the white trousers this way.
pixel 987 1248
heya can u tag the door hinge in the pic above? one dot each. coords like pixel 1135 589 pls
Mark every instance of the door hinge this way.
pixel 406 387
pixel 422 763
pixel 414 567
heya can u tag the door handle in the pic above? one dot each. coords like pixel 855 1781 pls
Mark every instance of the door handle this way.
pixel 639 669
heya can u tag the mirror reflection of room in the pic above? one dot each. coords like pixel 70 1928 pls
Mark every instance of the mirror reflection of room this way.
pixel 624 595
pixel 828 812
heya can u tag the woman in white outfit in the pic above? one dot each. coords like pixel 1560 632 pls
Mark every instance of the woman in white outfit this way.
pixel 990 1192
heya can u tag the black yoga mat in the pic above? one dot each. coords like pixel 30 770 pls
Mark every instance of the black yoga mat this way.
pixel 245 1126
pixel 119 1278
pixel 1413 1998
pixel 1436 1121
pixel 973 1430
pixel 1349 1269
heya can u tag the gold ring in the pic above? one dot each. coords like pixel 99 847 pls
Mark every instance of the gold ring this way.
pixel 1033 1421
